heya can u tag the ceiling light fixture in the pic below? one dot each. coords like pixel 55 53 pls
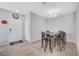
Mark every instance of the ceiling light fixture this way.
pixel 53 13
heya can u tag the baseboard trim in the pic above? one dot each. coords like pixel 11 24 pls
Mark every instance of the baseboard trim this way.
pixel 66 40
pixel 71 41
pixel 3 43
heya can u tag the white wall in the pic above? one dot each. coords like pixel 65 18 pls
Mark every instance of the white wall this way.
pixel 34 25
pixel 65 23
pixel 77 27
pixel 4 28
pixel 38 24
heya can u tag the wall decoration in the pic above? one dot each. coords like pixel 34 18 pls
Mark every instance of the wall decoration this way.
pixel 4 22
pixel 15 15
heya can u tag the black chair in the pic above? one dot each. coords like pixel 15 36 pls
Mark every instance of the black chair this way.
pixel 42 39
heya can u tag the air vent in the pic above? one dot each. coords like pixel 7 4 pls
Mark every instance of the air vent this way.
pixel 43 3
pixel 16 42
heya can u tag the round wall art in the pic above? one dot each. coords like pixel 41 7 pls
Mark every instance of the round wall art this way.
pixel 4 22
pixel 15 15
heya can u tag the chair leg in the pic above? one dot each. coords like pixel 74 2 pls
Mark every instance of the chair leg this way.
pixel 55 42
pixel 46 44
pixel 60 46
pixel 42 43
pixel 50 45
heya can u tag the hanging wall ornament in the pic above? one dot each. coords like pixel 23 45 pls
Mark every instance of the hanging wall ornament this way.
pixel 4 22
pixel 15 15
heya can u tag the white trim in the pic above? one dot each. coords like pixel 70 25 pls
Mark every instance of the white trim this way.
pixel 71 41
pixel 78 50
pixel 4 43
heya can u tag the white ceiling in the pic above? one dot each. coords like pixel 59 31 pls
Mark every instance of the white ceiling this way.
pixel 62 8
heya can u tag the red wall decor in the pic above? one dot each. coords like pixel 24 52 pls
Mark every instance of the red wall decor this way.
pixel 4 22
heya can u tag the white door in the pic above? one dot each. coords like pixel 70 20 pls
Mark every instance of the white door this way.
pixel 15 30
pixel 4 33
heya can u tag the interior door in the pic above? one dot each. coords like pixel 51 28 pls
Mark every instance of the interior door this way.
pixel 15 30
